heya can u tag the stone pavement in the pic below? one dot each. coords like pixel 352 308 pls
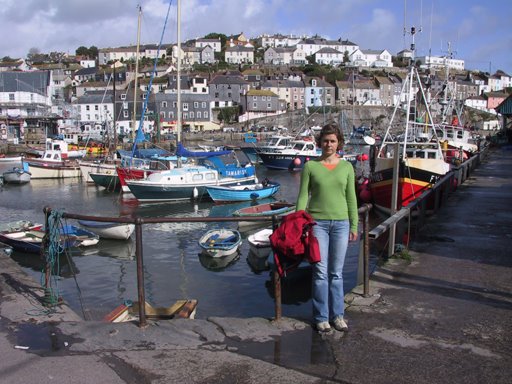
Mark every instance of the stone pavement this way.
pixel 444 317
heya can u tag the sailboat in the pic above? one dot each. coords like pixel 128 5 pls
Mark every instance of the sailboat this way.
pixel 421 160
pixel 181 182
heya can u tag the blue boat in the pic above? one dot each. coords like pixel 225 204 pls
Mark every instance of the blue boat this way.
pixel 247 192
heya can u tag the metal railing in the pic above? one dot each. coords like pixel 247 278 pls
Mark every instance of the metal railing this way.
pixel 139 222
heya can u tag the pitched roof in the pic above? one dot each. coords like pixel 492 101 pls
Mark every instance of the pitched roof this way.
pixel 260 92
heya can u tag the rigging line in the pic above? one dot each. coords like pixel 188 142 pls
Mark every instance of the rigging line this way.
pixel 139 135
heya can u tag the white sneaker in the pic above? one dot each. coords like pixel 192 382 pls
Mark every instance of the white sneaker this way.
pixel 340 324
pixel 323 326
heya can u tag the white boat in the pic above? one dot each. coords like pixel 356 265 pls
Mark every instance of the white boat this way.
pixel 53 166
pixel 16 176
pixel 87 167
pixel 8 159
pixel 259 243
pixel 220 242
pixel 109 230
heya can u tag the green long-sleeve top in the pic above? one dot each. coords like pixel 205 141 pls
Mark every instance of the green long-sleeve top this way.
pixel 329 194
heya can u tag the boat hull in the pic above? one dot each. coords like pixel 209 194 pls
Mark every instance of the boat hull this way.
pixel 234 194
pixel 87 167
pixel 109 181
pixel 220 242
pixel 53 171
pixel 17 177
pixel 285 162
pixel 116 231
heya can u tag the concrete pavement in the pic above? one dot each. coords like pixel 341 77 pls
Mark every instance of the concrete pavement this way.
pixel 445 317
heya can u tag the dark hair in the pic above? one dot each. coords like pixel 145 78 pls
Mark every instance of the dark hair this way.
pixel 331 129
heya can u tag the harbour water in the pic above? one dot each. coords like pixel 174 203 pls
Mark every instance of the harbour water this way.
pixel 97 279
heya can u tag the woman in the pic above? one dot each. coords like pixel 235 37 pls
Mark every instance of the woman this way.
pixel 327 193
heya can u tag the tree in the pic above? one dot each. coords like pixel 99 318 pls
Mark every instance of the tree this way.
pixel 214 35
pixel 7 59
pixel 82 51
pixel 93 52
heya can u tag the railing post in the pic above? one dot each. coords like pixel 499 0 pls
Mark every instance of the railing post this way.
pixel 366 251
pixel 140 272
pixel 277 281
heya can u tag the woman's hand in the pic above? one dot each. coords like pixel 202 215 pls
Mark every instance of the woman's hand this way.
pixel 352 236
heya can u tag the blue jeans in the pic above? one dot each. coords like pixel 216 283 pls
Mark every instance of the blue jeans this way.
pixel 328 295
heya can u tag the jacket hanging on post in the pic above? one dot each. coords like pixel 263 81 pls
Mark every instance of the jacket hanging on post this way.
pixel 294 241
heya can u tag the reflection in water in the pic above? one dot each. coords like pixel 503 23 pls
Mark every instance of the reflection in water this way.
pixel 218 264
pixel 66 267
pixel 257 264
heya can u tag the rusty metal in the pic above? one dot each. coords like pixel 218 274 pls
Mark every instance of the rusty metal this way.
pixel 366 250
pixel 140 272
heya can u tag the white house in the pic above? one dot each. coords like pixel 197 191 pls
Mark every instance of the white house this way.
pixel 214 43
pixel 87 63
pixel 477 102
pixel 440 62
pixel 371 58
pixel 329 56
pixel 284 56
pixel 278 40
pixel 239 55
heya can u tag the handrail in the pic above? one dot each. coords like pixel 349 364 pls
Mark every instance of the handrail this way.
pixel 139 222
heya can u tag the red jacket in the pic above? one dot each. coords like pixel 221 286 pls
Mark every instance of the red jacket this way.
pixel 294 241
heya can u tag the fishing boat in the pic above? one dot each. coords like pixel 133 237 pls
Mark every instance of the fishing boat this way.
pixel 259 243
pixel 30 239
pixel 292 157
pixel 220 242
pixel 55 162
pixel 87 167
pixel 246 192
pixel 109 230
pixel 274 143
pixel 421 162
pixel 17 175
pixel 190 182
pixel 267 210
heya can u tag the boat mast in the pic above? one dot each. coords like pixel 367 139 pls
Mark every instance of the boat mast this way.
pixel 134 117
pixel 114 116
pixel 178 71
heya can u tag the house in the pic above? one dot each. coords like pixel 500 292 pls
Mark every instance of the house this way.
pixel 277 40
pixel 239 54
pixel 478 102
pixel 83 75
pixel 227 90
pixel 371 58
pixel 284 56
pixel 494 99
pixel 440 62
pixel 215 44
pixel 318 93
pixel 126 122
pixel 14 65
pixel 106 55
pixel 291 91
pixel 25 94
pixel 253 76
pixel 329 56
pixel 506 80
pixel 261 103
pixel 238 40
pixel 357 90
pixel 386 90
pixel 96 112
pixel 196 112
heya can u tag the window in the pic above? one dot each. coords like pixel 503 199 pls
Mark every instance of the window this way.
pixel 125 105
pixel 206 115
pixel 104 107
pixel 269 105
pixel 164 104
pixel 125 114
pixel 191 115
pixel 203 104
pixel 255 98
pixel 144 96
pixel 87 107
pixel 162 116
pixel 196 104
pixel 229 95
pixel 216 95
pixel 185 115
pixel 198 115
pixel 174 104
pixel 123 96
pixel 254 105
pixel 88 117
pixel 185 106
pixel 96 107
pixel 171 115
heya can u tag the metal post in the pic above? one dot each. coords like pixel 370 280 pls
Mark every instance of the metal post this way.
pixel 366 251
pixel 140 273
pixel 394 198
pixel 277 281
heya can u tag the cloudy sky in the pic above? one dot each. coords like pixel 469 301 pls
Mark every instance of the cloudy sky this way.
pixel 479 32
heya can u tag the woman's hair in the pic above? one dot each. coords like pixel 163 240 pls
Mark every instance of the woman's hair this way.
pixel 330 129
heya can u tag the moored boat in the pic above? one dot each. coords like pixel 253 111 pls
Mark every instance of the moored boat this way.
pixel 220 242
pixel 107 179
pixel 246 192
pixel 109 230
pixel 17 176
pixel 267 210
pixel 259 242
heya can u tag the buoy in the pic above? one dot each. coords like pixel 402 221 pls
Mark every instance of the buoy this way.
pixel 296 161
pixel 365 195
pixel 364 157
pixel 359 158
pixel 307 158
